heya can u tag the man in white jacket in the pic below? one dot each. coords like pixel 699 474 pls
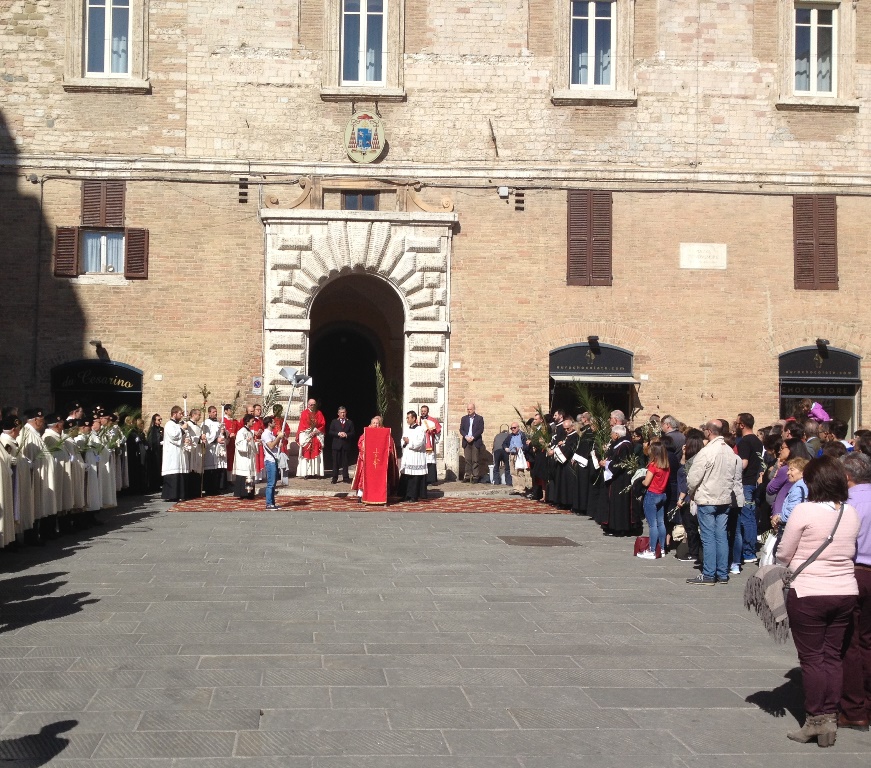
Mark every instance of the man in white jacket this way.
pixel 714 482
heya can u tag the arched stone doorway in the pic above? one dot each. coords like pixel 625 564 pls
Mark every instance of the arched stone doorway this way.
pixel 387 271
pixel 356 320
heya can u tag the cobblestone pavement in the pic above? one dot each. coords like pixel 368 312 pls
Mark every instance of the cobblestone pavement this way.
pixel 353 640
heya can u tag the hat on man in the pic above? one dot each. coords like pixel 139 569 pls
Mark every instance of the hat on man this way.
pixel 33 413
pixel 53 418
pixel 11 422
pixel 85 422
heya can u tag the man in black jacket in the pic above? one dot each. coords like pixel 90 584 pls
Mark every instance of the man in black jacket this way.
pixel 341 432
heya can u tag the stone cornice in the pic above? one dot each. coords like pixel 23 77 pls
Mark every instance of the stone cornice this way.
pixel 484 175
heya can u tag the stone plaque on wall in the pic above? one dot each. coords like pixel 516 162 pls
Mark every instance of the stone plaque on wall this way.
pixel 703 256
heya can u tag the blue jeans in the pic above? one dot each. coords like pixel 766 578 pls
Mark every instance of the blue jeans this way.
pixel 271 474
pixel 712 527
pixel 654 511
pixel 744 544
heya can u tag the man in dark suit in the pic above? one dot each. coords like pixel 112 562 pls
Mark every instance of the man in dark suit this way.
pixel 471 432
pixel 342 433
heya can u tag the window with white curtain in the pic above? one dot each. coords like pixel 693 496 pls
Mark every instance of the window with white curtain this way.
pixel 364 30
pixel 103 252
pixel 107 38
pixel 816 34
pixel 592 44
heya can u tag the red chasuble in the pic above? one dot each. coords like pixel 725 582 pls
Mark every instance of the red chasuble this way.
pixel 307 420
pixel 377 453
pixel 232 427
pixel 256 427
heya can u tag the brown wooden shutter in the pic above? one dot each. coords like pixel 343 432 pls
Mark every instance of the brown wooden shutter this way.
pixel 113 203
pixel 827 242
pixel 600 247
pixel 578 270
pixel 66 252
pixel 136 254
pixel 815 238
pixel 92 203
pixel 589 238
pixel 103 203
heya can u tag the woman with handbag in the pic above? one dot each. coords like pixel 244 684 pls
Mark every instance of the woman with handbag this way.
pixel 819 547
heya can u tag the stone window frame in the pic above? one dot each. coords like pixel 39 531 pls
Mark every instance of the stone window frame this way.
pixel 844 99
pixel 75 78
pixel 622 94
pixel 392 89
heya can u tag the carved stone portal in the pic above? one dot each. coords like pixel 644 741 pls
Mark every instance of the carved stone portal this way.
pixel 306 249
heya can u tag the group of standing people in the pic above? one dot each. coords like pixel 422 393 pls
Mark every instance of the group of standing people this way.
pixel 57 471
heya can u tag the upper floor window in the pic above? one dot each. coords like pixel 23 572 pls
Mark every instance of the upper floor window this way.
pixel 106 46
pixel 593 59
pixel 364 38
pixel 592 44
pixel 107 38
pixel 815 49
pixel 359 201
pixel 102 245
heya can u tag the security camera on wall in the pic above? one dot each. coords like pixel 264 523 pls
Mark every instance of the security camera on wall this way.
pixel 301 380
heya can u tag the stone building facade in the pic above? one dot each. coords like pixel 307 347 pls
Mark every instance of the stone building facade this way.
pixel 701 134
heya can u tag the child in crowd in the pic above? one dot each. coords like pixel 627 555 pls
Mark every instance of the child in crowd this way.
pixel 656 481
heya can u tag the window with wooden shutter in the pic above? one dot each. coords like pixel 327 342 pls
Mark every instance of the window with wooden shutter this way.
pixel 589 238
pixel 66 252
pixel 815 238
pixel 103 203
pixel 136 254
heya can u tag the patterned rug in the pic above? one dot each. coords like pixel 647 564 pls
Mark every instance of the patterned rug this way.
pixel 513 506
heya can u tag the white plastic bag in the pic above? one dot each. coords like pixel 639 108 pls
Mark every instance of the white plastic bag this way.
pixel 766 554
pixel 520 463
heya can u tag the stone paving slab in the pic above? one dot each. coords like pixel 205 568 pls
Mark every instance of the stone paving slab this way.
pixel 346 639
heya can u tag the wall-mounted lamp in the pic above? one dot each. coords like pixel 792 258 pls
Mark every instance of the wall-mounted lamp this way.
pixel 593 341
pixel 823 347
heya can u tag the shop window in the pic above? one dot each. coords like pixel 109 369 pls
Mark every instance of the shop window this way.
pixel 815 237
pixel 589 238
pixel 102 245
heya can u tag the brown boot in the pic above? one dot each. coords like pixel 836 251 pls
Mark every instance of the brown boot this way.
pixel 828 730
pixel 812 727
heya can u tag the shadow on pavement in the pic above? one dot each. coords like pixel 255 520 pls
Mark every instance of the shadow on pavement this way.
pixel 788 697
pixel 32 598
pixel 38 748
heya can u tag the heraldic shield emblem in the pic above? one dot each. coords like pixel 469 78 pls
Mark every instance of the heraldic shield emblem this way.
pixel 364 137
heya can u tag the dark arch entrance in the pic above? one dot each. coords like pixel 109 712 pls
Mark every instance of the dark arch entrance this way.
pixel 356 320
pixel 342 364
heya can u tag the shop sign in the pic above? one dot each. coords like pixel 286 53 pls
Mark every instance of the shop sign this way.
pixel 819 363
pixel 586 360
pixel 96 376
pixel 817 391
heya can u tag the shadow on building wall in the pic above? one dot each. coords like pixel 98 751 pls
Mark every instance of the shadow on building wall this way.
pixel 41 318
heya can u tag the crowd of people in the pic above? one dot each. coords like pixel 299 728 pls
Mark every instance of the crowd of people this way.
pixel 713 495
pixel 57 471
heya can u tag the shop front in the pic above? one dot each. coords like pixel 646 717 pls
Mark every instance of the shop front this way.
pixel 96 382
pixel 607 372
pixel 823 374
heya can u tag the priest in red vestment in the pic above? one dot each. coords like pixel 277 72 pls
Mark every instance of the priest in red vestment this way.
pixel 256 427
pixel 310 437
pixel 377 468
pixel 231 426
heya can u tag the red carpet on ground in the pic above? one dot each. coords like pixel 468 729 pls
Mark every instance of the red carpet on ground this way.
pixel 514 506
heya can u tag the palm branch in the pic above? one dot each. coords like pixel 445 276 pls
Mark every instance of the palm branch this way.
pixel 600 413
